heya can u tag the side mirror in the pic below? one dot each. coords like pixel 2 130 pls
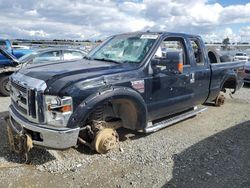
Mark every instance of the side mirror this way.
pixel 175 67
pixel 156 66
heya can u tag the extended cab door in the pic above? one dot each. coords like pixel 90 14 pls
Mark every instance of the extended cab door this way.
pixel 170 91
pixel 200 71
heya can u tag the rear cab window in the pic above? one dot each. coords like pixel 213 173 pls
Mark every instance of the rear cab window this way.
pixel 197 52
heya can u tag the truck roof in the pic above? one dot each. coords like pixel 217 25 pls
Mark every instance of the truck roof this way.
pixel 159 33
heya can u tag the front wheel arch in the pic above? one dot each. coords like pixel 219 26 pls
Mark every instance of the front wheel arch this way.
pixel 4 85
pixel 118 95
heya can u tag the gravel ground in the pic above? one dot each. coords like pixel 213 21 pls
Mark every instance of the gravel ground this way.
pixel 209 150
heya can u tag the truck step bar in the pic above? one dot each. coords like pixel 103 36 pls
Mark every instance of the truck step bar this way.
pixel 167 122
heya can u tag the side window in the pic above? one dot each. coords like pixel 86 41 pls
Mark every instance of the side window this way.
pixel 71 55
pixel 47 56
pixel 3 44
pixel 170 52
pixel 198 55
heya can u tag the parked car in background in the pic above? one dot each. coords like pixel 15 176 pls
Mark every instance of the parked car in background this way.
pixel 52 55
pixel 241 56
pixel 247 72
pixel 7 59
pixel 17 52
pixel 36 57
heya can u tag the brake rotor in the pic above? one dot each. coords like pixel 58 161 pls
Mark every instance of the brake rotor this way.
pixel 220 100
pixel 105 140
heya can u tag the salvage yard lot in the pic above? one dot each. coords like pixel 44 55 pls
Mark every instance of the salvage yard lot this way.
pixel 209 150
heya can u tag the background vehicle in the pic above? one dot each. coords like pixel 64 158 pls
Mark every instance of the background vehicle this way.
pixel 247 72
pixel 7 59
pixel 241 56
pixel 36 57
pixel 6 45
pixel 131 80
pixel 52 55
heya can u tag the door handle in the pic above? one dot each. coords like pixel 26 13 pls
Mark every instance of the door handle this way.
pixel 192 77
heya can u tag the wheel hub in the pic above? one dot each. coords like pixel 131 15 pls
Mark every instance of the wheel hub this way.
pixel 220 100
pixel 105 140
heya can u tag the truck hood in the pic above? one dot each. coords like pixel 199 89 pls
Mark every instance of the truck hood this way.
pixel 60 74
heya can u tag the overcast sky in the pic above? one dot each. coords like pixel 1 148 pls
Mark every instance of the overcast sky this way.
pixel 97 19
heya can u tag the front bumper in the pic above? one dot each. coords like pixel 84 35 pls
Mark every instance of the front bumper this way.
pixel 60 138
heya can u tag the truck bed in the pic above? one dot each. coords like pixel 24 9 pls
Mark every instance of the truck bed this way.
pixel 223 71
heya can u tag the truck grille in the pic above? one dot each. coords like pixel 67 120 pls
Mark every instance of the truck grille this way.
pixel 19 108
pixel 24 100
pixel 19 87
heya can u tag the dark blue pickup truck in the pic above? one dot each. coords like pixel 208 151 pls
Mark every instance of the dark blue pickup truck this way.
pixel 140 81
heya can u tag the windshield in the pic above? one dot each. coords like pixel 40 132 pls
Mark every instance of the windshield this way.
pixel 124 48
pixel 26 57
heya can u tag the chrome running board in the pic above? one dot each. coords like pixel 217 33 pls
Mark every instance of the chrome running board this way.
pixel 167 122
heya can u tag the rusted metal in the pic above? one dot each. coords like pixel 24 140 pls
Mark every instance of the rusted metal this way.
pixel 220 99
pixel 10 165
pixel 21 143
pixel 99 125
pixel 103 136
pixel 85 143
pixel 105 140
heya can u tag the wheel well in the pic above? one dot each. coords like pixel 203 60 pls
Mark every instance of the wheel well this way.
pixel 123 109
pixel 229 84
pixel 212 57
pixel 6 74
pixel 127 111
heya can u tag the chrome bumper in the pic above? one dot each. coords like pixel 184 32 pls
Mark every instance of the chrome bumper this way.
pixel 60 138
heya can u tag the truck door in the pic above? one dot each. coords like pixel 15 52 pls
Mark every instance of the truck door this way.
pixel 200 72
pixel 170 91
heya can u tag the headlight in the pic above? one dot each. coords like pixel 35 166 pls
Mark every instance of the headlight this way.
pixel 58 110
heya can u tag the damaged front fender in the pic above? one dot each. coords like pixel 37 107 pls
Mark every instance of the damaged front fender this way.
pixel 83 110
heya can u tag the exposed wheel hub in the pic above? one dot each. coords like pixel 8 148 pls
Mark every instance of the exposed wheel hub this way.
pixel 105 140
pixel 220 100
pixel 20 143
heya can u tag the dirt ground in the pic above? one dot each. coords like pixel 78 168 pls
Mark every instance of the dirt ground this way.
pixel 209 150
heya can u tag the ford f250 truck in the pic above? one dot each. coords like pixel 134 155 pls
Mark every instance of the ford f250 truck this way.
pixel 141 81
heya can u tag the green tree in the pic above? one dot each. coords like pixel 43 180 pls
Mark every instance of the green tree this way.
pixel 225 43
